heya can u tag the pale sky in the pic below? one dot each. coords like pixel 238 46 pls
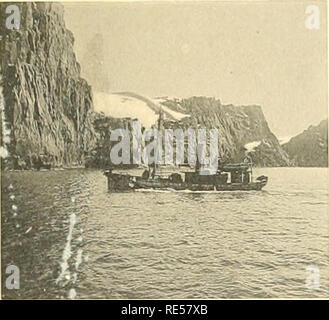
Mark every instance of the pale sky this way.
pixel 253 52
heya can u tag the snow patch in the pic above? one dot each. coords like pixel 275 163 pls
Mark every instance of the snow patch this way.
pixel 121 106
pixel 130 105
pixel 284 140
pixel 164 99
pixel 177 115
pixel 252 145
pixel 3 152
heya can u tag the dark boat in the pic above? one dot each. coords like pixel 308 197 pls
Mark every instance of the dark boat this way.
pixel 230 177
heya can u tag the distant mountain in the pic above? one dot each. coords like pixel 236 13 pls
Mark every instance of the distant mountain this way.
pixel 242 129
pixel 310 148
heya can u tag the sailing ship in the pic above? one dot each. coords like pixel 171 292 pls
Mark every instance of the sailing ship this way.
pixel 228 177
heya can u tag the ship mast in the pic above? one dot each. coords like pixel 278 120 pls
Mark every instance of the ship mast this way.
pixel 160 119
pixel 159 127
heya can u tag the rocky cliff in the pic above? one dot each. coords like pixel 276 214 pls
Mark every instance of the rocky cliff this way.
pixel 47 105
pixel 310 148
pixel 242 129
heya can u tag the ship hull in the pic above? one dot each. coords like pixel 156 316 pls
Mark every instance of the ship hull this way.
pixel 123 183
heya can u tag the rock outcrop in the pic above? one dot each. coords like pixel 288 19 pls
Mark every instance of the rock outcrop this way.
pixel 310 148
pixel 241 129
pixel 238 126
pixel 100 157
pixel 47 105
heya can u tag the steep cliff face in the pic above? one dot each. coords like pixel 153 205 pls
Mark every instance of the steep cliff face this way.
pixel 242 129
pixel 310 148
pixel 100 157
pixel 47 104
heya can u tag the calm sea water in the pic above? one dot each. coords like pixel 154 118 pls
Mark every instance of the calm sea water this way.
pixel 71 239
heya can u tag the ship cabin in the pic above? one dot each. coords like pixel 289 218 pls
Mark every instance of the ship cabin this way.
pixel 240 173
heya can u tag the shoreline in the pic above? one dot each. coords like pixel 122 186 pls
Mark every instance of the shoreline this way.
pixel 139 168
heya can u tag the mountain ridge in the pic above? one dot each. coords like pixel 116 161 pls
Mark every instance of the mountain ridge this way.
pixel 53 117
pixel 309 148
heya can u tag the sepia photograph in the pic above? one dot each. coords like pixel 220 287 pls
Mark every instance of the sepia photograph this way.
pixel 171 150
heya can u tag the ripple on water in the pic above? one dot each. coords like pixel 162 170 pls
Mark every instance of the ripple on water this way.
pixel 165 244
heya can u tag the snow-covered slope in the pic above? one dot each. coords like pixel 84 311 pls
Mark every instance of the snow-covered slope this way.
pixel 134 106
